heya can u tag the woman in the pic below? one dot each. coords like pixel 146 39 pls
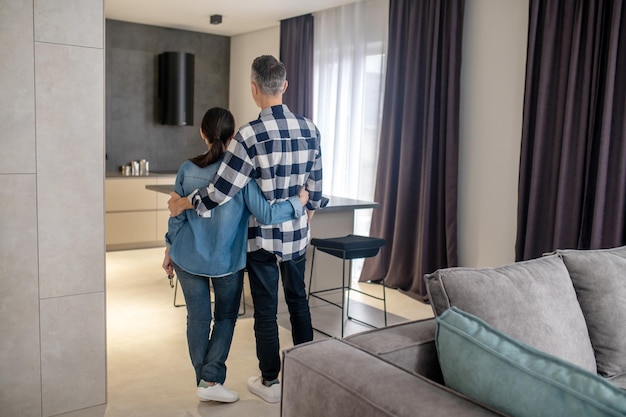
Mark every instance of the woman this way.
pixel 203 249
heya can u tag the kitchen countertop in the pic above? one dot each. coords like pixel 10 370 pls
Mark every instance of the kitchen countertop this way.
pixel 118 174
pixel 334 203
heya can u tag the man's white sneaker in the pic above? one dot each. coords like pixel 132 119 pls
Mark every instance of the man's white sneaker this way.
pixel 217 392
pixel 270 394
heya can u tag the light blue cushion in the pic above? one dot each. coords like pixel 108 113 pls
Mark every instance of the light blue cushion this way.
pixel 510 376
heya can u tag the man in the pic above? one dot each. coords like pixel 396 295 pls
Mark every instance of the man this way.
pixel 281 151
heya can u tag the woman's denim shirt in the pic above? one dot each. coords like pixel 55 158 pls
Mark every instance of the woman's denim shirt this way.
pixel 216 246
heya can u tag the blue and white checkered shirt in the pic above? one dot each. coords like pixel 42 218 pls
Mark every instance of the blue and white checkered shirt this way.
pixel 281 151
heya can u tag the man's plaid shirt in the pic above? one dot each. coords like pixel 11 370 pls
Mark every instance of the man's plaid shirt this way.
pixel 281 151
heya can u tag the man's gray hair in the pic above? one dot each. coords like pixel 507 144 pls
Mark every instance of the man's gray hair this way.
pixel 269 74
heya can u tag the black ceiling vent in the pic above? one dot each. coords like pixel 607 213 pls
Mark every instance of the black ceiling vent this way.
pixel 176 76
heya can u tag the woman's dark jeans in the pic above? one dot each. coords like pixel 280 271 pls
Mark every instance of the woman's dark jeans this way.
pixel 263 272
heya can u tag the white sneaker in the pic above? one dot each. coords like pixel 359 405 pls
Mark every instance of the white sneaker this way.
pixel 269 394
pixel 217 392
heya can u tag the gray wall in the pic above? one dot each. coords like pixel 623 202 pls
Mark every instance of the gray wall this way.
pixel 133 130
pixel 52 303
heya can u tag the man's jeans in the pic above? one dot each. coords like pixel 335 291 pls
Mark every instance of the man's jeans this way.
pixel 209 350
pixel 263 272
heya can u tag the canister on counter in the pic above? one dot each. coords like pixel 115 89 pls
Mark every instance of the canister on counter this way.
pixel 144 167
pixel 125 170
pixel 135 168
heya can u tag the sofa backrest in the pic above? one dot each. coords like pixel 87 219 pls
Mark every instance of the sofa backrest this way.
pixel 532 301
pixel 599 278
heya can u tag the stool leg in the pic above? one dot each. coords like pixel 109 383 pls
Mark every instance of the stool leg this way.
pixel 348 291
pixel 311 274
pixel 343 293
pixel 176 292
pixel 382 267
pixel 243 301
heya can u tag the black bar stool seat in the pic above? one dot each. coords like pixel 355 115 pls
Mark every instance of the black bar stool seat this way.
pixel 348 248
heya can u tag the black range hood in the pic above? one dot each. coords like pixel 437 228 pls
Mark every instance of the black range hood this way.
pixel 176 77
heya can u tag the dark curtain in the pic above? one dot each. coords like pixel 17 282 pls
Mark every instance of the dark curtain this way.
pixel 572 185
pixel 296 52
pixel 416 183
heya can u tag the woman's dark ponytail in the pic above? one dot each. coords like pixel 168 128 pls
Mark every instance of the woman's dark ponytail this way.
pixel 218 126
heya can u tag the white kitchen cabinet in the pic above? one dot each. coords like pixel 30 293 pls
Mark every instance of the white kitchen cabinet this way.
pixel 132 229
pixel 135 217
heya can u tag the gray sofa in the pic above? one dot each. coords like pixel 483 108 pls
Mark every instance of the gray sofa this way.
pixel 564 314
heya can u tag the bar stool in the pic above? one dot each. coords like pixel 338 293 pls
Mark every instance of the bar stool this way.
pixel 348 248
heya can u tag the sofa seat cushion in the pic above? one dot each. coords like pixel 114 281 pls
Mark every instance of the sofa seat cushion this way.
pixel 599 277
pixel 618 380
pixel 493 368
pixel 532 301
pixel 409 345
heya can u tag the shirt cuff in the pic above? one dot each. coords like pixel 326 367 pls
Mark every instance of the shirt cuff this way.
pixel 190 196
pixel 297 206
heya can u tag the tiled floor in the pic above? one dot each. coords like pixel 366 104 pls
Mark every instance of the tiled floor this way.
pixel 149 372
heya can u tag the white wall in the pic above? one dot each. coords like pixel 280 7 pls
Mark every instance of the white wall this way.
pixel 492 94
pixel 52 303
pixel 243 49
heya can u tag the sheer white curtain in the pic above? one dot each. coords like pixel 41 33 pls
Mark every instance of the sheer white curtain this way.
pixel 349 72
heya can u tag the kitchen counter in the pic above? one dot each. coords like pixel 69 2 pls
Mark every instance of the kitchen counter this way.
pixel 334 203
pixel 155 174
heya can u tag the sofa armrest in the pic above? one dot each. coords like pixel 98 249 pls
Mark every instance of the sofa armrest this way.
pixel 409 345
pixel 331 377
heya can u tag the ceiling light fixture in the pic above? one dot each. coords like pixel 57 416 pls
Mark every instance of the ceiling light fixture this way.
pixel 216 19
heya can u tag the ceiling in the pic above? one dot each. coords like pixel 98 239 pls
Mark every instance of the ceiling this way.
pixel 238 16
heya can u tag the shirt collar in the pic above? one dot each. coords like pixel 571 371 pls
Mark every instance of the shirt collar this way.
pixel 278 109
